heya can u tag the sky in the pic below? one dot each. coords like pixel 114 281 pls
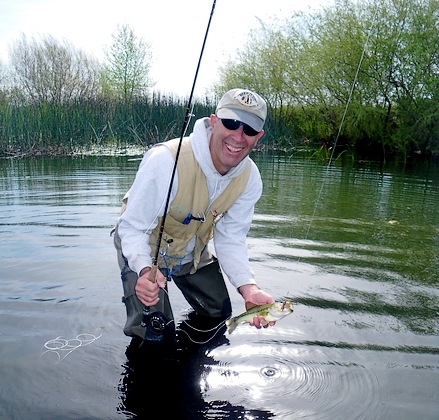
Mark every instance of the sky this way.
pixel 175 30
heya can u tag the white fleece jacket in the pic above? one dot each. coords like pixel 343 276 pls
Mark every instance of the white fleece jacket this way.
pixel 147 200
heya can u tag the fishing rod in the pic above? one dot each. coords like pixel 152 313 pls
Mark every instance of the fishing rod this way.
pixel 157 322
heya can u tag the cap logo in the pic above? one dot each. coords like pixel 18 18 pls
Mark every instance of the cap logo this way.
pixel 247 98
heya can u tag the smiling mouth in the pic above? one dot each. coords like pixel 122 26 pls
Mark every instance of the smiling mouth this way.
pixel 234 149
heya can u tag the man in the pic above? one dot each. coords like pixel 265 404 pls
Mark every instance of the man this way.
pixel 213 194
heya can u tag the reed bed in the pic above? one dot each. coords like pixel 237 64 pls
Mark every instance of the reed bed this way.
pixel 83 125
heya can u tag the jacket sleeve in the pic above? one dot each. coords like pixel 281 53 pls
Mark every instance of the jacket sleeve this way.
pixel 146 203
pixel 230 235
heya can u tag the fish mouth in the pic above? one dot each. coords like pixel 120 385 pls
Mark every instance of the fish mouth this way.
pixel 286 305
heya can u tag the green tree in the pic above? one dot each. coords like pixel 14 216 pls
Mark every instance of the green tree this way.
pixel 126 73
pixel 377 57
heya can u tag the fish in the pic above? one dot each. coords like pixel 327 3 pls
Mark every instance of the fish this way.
pixel 270 311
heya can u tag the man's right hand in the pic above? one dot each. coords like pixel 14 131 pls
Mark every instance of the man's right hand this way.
pixel 148 284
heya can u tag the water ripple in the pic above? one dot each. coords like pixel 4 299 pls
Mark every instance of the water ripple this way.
pixel 279 378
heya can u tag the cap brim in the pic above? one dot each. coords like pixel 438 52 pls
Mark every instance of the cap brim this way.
pixel 237 114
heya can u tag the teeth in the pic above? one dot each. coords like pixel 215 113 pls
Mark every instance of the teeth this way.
pixel 233 149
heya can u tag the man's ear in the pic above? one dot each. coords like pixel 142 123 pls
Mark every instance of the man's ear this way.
pixel 261 133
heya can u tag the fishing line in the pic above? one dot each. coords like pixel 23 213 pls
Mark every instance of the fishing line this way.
pixel 217 328
pixel 201 342
pixel 205 330
pixel 366 42
pixel 62 347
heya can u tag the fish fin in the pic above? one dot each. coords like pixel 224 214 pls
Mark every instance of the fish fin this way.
pixel 264 322
pixel 231 324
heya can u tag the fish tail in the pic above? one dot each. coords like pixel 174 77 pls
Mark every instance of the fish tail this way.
pixel 231 324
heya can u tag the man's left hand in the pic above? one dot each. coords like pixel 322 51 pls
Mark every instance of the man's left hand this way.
pixel 253 296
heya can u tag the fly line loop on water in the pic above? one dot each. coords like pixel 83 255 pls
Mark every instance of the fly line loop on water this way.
pixel 62 347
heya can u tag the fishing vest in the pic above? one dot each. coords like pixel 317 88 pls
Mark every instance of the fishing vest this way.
pixel 192 198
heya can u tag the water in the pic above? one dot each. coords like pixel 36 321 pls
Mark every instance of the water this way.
pixel 354 246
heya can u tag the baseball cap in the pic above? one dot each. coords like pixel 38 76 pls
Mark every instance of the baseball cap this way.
pixel 243 105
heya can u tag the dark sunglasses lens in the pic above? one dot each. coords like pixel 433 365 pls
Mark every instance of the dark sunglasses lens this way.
pixel 249 131
pixel 235 124
pixel 231 124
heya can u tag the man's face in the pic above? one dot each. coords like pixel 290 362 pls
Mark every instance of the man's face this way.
pixel 229 147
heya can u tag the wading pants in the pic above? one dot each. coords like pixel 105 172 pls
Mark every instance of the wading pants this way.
pixel 204 290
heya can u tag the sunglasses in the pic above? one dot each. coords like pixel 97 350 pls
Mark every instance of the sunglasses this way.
pixel 235 124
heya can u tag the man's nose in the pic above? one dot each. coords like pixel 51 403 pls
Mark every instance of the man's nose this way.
pixel 238 134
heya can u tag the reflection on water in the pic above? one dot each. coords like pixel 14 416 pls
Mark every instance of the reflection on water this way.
pixel 281 376
pixel 148 374
pixel 354 246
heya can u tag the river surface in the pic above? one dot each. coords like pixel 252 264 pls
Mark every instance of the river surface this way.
pixel 355 247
